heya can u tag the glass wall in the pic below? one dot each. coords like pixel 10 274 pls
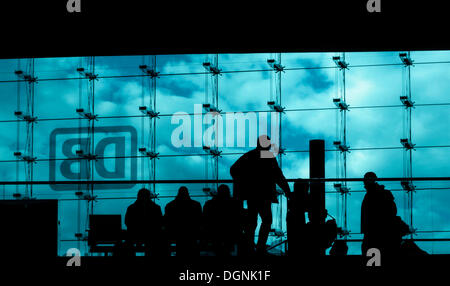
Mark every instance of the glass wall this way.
pixel 41 118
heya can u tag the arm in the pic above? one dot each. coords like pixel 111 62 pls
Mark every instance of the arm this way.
pixel 238 166
pixel 127 217
pixel 391 207
pixel 363 216
pixel 281 180
pixel 160 217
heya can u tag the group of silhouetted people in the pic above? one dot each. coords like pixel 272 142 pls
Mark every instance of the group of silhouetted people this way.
pixel 226 225
pixel 184 224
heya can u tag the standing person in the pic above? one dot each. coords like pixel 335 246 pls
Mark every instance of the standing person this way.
pixel 255 175
pixel 222 221
pixel 319 237
pixel 379 222
pixel 144 224
pixel 295 217
pixel 183 221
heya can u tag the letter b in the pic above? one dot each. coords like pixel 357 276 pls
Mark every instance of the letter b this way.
pixel 67 150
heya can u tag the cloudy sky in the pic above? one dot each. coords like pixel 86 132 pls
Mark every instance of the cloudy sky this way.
pixel 374 125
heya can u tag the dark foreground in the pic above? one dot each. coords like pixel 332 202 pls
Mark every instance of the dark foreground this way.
pixel 231 270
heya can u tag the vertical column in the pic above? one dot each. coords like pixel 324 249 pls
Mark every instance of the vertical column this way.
pixel 406 141
pixel 148 148
pixel 277 110
pixel 317 188
pixel 211 107
pixel 27 155
pixel 340 143
pixel 86 152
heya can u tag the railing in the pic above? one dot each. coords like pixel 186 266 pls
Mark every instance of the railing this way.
pixel 276 243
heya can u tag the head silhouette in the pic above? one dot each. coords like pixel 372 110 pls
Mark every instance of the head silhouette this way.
pixel 263 142
pixel 223 192
pixel 370 180
pixel 183 193
pixel 143 195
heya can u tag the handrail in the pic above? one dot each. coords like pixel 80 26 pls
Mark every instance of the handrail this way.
pixel 224 181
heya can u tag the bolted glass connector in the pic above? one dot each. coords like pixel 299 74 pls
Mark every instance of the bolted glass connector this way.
pixel 340 103
pixel 209 191
pixel 150 72
pixel 87 115
pixel 212 69
pixel 277 67
pixel 148 111
pixel 150 154
pixel 407 143
pixel 408 186
pixel 406 101
pixel 340 63
pixel 406 60
pixel 341 188
pixel 211 108
pixel 275 106
pixel 340 146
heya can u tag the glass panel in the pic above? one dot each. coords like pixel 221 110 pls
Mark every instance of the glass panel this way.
pixel 430 56
pixel 56 68
pixel 308 88
pixel 244 91
pixel 307 60
pixel 430 126
pixel 302 126
pixel 374 86
pixel 372 58
pixel 8 95
pixel 429 83
pixel 179 93
pixel 378 127
pixel 180 64
pixel 430 162
pixel 244 62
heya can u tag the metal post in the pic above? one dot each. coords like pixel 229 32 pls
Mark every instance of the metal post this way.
pixel 317 189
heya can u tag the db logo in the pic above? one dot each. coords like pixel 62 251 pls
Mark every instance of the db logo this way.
pixel 114 157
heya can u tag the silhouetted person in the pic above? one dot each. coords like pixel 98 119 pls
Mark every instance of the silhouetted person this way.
pixel 255 175
pixel 379 222
pixel 319 237
pixel 222 221
pixel 144 224
pixel 339 248
pixel 183 220
pixel 295 217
